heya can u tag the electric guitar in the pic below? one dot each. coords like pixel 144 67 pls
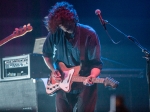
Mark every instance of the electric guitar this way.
pixel 17 33
pixel 71 75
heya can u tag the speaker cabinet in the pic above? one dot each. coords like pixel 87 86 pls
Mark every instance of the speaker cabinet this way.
pixel 26 95
pixel 18 96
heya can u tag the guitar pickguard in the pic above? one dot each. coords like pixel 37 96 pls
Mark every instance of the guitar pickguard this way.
pixel 66 83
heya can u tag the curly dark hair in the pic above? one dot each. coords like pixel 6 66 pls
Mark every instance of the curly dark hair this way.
pixel 61 13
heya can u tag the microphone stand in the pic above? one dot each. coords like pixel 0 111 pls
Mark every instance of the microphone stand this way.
pixel 146 52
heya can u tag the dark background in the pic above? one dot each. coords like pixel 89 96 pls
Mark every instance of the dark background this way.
pixel 131 17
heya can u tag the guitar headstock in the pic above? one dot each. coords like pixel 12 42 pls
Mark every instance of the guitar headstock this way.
pixel 111 82
pixel 22 31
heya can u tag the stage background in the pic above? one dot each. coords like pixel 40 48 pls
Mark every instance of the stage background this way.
pixel 131 17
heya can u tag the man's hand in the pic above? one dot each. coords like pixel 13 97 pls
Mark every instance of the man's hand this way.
pixel 56 76
pixel 94 73
pixel 88 81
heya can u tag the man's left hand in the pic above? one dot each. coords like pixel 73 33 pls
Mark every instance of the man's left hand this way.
pixel 88 81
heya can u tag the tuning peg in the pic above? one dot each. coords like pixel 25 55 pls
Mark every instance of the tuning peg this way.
pixel 28 24
pixel 16 29
pixel 24 26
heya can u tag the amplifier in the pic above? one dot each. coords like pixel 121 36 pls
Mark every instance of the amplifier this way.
pixel 24 66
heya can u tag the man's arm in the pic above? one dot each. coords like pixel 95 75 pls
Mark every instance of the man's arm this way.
pixel 50 64
pixel 94 58
pixel 95 72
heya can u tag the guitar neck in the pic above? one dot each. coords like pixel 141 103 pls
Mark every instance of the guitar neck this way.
pixel 17 33
pixel 5 40
pixel 81 79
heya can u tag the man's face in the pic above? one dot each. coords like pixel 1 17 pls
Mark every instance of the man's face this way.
pixel 65 29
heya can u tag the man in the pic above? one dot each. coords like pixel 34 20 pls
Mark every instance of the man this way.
pixel 73 44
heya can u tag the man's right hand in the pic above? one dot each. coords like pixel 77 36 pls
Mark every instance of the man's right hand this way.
pixel 56 75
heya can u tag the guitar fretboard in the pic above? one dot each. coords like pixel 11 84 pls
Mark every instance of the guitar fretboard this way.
pixel 81 79
pixel 5 40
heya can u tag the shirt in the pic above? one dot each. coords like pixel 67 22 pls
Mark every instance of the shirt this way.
pixel 72 49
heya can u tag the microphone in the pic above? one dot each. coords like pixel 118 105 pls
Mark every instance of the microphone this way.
pixel 98 13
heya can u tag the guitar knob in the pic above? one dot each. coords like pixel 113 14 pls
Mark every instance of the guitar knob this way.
pixel 49 88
